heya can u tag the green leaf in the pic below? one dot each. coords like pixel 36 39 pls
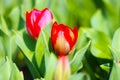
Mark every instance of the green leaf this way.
pixel 8 70
pixel 15 74
pixel 27 53
pixel 10 46
pixel 77 59
pixel 37 79
pixel 3 25
pixel 105 67
pixel 115 45
pixel 99 43
pixel 26 6
pixel 50 67
pixel 20 42
pixel 116 40
pixel 82 40
pixel 80 12
pixel 103 21
pixel 5 69
pixel 115 54
pixel 2 50
pixel 41 49
pixel 114 75
pixel 39 4
pixel 14 21
pixel 79 76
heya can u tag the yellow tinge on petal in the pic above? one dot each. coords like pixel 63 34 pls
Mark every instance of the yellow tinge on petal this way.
pixel 62 45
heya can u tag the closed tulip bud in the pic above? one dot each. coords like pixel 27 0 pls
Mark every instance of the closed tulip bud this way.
pixel 62 71
pixel 36 20
pixel 63 38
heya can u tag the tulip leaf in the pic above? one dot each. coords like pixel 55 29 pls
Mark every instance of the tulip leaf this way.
pixel 101 21
pixel 2 50
pixel 3 25
pixel 50 67
pixel 99 43
pixel 10 46
pixel 77 59
pixel 105 67
pixel 79 76
pixel 37 79
pixel 46 39
pixel 26 6
pixel 116 42
pixel 8 70
pixel 28 54
pixel 82 40
pixel 15 74
pixel 39 4
pixel 5 69
pixel 20 42
pixel 114 75
pixel 42 45
pixel 14 21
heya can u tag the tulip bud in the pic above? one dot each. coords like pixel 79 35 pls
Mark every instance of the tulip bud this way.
pixel 62 69
pixel 36 20
pixel 63 38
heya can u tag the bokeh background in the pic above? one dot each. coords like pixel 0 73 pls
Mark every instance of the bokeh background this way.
pixel 103 15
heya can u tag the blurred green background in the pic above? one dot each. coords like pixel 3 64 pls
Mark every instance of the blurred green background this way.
pixel 102 15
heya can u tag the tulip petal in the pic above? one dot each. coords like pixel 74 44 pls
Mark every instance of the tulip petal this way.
pixel 63 38
pixel 36 20
pixel 46 17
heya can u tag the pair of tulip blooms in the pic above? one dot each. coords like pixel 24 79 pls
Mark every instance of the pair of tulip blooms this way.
pixel 63 38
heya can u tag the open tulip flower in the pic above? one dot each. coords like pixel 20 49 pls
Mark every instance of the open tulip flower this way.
pixel 36 20
pixel 63 38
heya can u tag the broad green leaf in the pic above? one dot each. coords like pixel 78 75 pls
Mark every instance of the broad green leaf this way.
pixel 115 54
pixel 77 59
pixel 8 70
pixel 21 44
pixel 42 47
pixel 99 43
pixel 3 25
pixel 5 69
pixel 26 6
pixel 14 21
pixel 2 50
pixel 116 45
pixel 79 76
pixel 116 40
pixel 102 21
pixel 79 12
pixel 7 5
pixel 40 4
pixel 82 40
pixel 50 67
pixel 15 74
pixel 28 54
pixel 10 46
pixel 114 75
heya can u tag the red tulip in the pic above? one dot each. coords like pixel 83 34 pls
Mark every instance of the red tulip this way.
pixel 62 71
pixel 63 38
pixel 36 20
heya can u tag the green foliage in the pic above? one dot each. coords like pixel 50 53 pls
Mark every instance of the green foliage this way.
pixel 96 55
